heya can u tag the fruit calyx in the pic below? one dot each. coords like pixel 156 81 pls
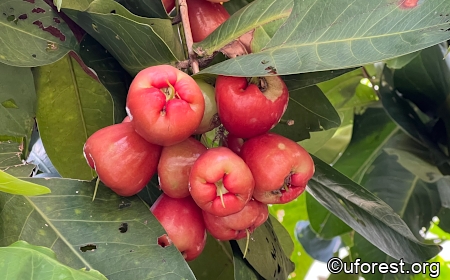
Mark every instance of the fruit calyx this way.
pixel 221 190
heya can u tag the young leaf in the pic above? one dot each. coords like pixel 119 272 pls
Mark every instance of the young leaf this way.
pixel 114 235
pixel 367 214
pixel 33 34
pixel 72 105
pixel 12 185
pixel 352 33
pixel 22 260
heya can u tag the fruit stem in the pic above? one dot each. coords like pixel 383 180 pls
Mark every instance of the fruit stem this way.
pixel 260 82
pixel 95 189
pixel 188 35
pixel 221 191
pixel 246 244
pixel 287 122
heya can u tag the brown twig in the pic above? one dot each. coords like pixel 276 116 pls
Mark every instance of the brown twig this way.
pixel 188 35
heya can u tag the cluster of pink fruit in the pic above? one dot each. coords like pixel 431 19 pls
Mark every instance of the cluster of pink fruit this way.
pixel 223 190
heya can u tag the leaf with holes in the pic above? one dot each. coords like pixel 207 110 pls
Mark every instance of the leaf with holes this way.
pixel 337 34
pixel 17 101
pixel 367 214
pixel 265 253
pixel 35 23
pixel 309 110
pixel 135 42
pixel 25 261
pixel 72 105
pixel 120 242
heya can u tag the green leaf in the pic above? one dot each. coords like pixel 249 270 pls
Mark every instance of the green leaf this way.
pixel 288 215
pixel 58 4
pixel 72 105
pixel 255 14
pixel 109 72
pixel 22 260
pixel 265 253
pixel 402 61
pixel 325 224
pixel 135 42
pixel 145 8
pixel 304 80
pixel 283 235
pixel 352 33
pixel 11 161
pixel 342 275
pixel 215 262
pixel 12 185
pixel 310 110
pixel 86 234
pixel 18 101
pixel 33 34
pixel 242 269
pixel 367 214
pixel 371 130
pixel 235 5
pixel 151 192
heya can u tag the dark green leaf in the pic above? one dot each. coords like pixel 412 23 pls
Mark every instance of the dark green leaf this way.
pixel 145 8
pixel 86 234
pixel 25 170
pixel 242 269
pixel 72 105
pixel 325 224
pixel 215 262
pixel 151 192
pixel 110 73
pixel 33 34
pixel 18 101
pixel 310 110
pixel 11 161
pixel 265 253
pixel 299 81
pixel 402 61
pixel 367 214
pixel 135 42
pixel 352 33
pixel 235 5
pixel 371 130
pixel 25 261
pixel 283 236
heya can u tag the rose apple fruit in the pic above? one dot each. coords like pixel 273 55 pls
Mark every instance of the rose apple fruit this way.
pixel 281 167
pixel 205 17
pixel 238 225
pixel 123 160
pixel 247 109
pixel 126 119
pixel 210 118
pixel 220 182
pixel 182 220
pixel 168 5
pixel 175 166
pixel 165 105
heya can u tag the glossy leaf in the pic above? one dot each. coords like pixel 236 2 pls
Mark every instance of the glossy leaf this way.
pixel 72 105
pixel 367 214
pixel 109 72
pixel 265 253
pixel 22 260
pixel 47 36
pixel 12 185
pixel 310 110
pixel 352 33
pixel 86 234
pixel 135 42
pixel 242 269
pixel 324 224
pixel 17 101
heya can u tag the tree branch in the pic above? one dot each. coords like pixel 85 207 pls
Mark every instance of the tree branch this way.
pixel 188 35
